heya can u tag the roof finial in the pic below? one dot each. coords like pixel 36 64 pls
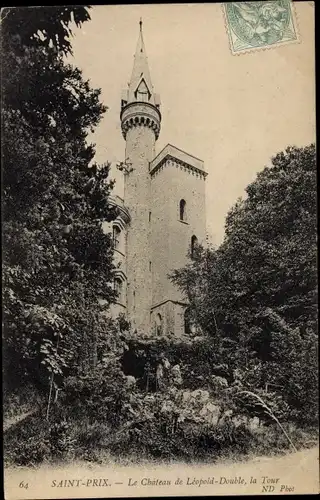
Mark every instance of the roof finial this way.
pixel 140 22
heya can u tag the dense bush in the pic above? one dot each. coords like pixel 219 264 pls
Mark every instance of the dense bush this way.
pixel 169 424
pixel 107 411
pixel 256 295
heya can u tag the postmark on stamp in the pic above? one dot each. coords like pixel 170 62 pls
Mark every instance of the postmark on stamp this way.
pixel 260 25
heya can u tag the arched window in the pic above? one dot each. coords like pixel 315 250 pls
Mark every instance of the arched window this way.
pixel 158 324
pixel 194 242
pixel 116 236
pixel 183 209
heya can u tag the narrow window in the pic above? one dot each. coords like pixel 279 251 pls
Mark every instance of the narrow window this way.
pixel 182 210
pixel 158 324
pixel 150 265
pixel 118 287
pixel 149 216
pixel 194 242
pixel 116 237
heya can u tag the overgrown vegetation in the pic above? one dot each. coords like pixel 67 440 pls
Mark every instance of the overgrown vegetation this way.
pixel 246 383
pixel 158 415
pixel 257 293
pixel 57 259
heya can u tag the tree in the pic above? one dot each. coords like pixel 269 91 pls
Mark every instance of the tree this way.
pixel 57 259
pixel 42 27
pixel 270 245
pixel 258 290
pixel 268 257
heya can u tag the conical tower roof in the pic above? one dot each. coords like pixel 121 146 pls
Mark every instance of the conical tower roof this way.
pixel 140 86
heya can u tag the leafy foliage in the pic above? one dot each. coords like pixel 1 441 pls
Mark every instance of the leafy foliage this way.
pixel 256 294
pixel 45 27
pixel 106 412
pixel 57 259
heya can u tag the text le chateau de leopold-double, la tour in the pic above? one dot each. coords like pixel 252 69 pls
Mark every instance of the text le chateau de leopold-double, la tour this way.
pixel 162 215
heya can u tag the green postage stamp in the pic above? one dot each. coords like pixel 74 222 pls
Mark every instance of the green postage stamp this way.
pixel 260 25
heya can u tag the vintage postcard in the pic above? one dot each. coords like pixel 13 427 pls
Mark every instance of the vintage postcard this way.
pixel 159 250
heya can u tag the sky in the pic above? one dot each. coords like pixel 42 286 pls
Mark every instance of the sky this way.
pixel 233 111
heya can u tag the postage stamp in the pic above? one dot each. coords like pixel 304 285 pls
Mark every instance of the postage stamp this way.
pixel 260 25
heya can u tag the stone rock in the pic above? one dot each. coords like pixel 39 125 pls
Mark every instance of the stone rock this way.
pixel 159 373
pixel 149 398
pixel 173 391
pixel 212 413
pixel 130 381
pixel 227 415
pixel 186 396
pixel 219 383
pixel 166 363
pixel 239 420
pixel 175 370
pixel 168 406
pixel 200 395
pixel 198 338
pixel 254 423
pixel 176 375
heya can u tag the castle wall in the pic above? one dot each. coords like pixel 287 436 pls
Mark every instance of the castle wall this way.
pixel 171 237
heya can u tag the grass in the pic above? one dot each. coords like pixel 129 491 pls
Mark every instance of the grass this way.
pixel 89 442
pixel 269 412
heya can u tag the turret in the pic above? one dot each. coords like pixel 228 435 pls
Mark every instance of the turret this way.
pixel 140 105
pixel 140 122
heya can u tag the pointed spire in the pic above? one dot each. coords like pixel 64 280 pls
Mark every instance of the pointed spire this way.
pixel 140 86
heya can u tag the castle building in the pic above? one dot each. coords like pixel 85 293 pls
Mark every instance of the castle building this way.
pixel 162 215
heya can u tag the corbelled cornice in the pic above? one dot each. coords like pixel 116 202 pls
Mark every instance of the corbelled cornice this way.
pixel 140 114
pixel 172 156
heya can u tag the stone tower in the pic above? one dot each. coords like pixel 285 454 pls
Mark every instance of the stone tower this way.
pixel 140 123
pixel 165 197
pixel 178 225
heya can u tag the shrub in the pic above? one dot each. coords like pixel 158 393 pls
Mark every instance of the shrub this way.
pixel 28 442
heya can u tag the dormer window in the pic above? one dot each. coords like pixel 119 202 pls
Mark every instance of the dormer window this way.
pixel 142 93
pixel 142 96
